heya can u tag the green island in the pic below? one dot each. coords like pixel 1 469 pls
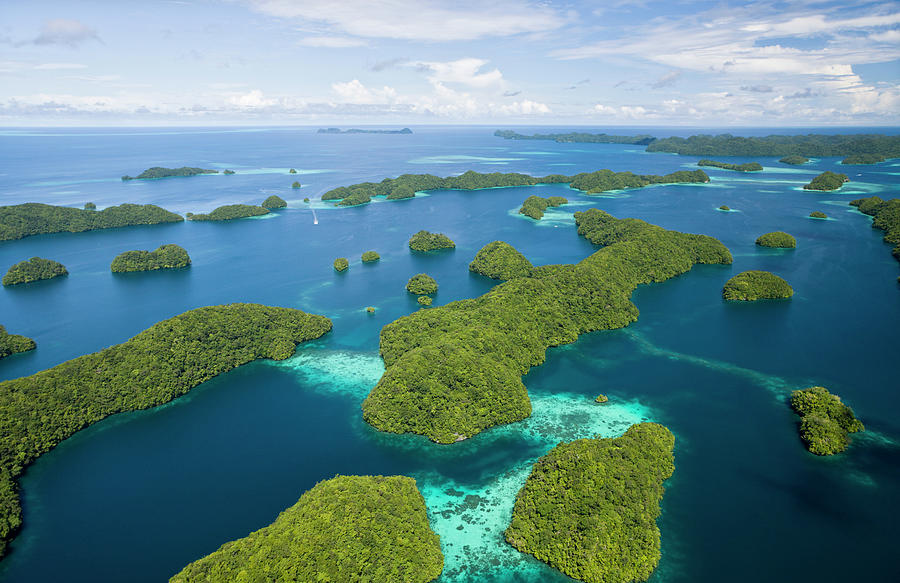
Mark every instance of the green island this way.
pixel 748 167
pixel 578 138
pixel 825 422
pixel 359 131
pixel 229 212
pixel 34 269
pixel 228 172
pixel 601 399
pixel 406 185
pixel 500 260
pixel 295 184
pixel 455 370
pixel 274 202
pixel 89 206
pixel 424 300
pixel 427 241
pixel 160 172
pixel 341 264
pixel 349 529
pixel 885 216
pixel 421 284
pixel 827 180
pixel 753 285
pixel 14 343
pixel 370 256
pixel 534 206
pixel 161 363
pixel 370 309
pixel 863 159
pixel 33 218
pixel 589 507
pixel 778 239
pixel 818 215
pixel 794 160
pixel 724 207
pixel 169 256
pixel 292 171
pixel 811 145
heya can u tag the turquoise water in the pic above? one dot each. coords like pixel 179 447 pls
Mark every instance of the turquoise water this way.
pixel 139 495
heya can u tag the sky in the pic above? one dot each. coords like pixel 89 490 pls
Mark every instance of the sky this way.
pixel 406 62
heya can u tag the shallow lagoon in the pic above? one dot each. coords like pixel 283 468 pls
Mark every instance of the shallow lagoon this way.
pixel 138 496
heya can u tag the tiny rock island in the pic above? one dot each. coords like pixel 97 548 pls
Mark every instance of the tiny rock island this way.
pixel 827 180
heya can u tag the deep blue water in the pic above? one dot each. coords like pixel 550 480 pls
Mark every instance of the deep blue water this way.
pixel 138 496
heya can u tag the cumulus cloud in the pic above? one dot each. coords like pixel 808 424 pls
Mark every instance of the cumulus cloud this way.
pixel 61 31
pixel 463 71
pixel 252 100
pixel 356 92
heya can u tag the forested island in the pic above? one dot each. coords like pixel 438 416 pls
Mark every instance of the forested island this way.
pixel 34 269
pixel 812 145
pixel 33 218
pixel 754 285
pixel 229 212
pixel 748 167
pixel 534 206
pixel 825 422
pixel 589 507
pixel 370 256
pixel 274 202
pixel 455 370
pixel 885 216
pixel 358 131
pixel 863 159
pixel 794 160
pixel 353 529
pixel 778 239
pixel 169 256
pixel 818 215
pixel 421 284
pixel 406 185
pixel 827 180
pixel 578 138
pixel 424 301
pixel 500 260
pixel 341 264
pixel 160 172
pixel 427 241
pixel 13 344
pixel 161 363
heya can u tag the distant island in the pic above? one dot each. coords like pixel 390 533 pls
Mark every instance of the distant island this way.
pixel 749 286
pixel 885 216
pixel 449 380
pixel 818 215
pixel 358 131
pixel 427 241
pixel 794 160
pixel 748 167
pixel 370 256
pixel 863 159
pixel 33 218
pixel 160 172
pixel 578 137
pixel 827 180
pixel 778 239
pixel 229 212
pixel 341 264
pixel 274 202
pixel 165 361
pixel 35 269
pixel 534 206
pixel 500 260
pixel 825 422
pixel 14 343
pixel 812 145
pixel 165 257
pixel 589 507
pixel 348 528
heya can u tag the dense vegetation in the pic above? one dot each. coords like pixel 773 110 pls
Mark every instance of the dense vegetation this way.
pixel 748 167
pixel 885 216
pixel 589 507
pixel 794 160
pixel 756 285
pixel 421 284
pixel 89 206
pixel 825 422
pixel 165 257
pixel 818 215
pixel 295 184
pixel 578 137
pixel 231 211
pixel 863 159
pixel 534 206
pixel 426 241
pixel 228 172
pixel 500 260
pixel 349 529
pixel 827 180
pixel 370 256
pixel 274 202
pixel 724 207
pixel 13 343
pixel 160 172
pixel 811 145
pixel 35 269
pixel 424 300
pixel 341 264
pixel 34 218
pixel 158 365
pixel 455 370
pixel 406 185
pixel 777 239
pixel 358 131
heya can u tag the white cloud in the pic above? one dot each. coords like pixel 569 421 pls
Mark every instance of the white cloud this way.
pixel 525 107
pixel 59 66
pixel 332 42
pixel 252 100
pixel 356 92
pixel 61 31
pixel 463 71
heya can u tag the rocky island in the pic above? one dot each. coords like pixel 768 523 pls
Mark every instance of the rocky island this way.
pixel 35 269
pixel 825 422
pixel 749 286
pixel 169 256
pixel 534 206
pixel 14 343
pixel 32 218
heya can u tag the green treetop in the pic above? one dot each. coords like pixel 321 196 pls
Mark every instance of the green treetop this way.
pixel 274 202
pixel 756 285
pixel 825 422
pixel 370 256
pixel 341 264
pixel 165 257
pixel 500 260
pixel 421 284
pixel 35 269
pixel 827 180
pixel 777 239
pixel 14 343
pixel 425 241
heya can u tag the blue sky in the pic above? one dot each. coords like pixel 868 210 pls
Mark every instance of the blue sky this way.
pixel 352 62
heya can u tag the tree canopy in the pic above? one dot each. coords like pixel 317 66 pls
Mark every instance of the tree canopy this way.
pixel 811 145
pixel 160 172
pixel 754 285
pixel 578 138
pixel 748 167
pixel 35 269
pixel 825 422
pixel 274 202
pixel 231 211
pixel 169 256
pixel 885 216
pixel 421 284
pixel 827 180
pixel 14 343
pixel 426 241
pixel 777 239
pixel 500 260
pixel 534 206
pixel 32 218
